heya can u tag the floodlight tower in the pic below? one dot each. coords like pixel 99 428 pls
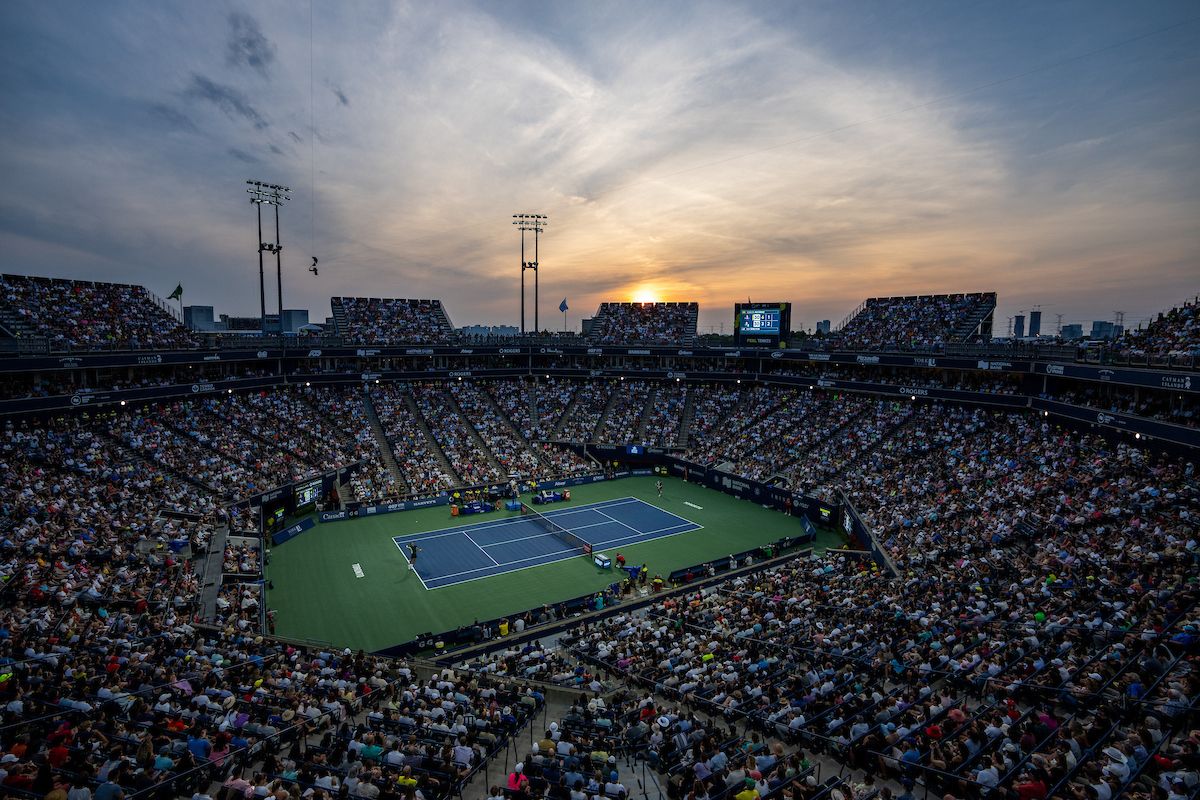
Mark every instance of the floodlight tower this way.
pixel 269 194
pixel 536 223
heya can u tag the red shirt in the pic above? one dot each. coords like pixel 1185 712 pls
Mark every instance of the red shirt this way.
pixel 1034 790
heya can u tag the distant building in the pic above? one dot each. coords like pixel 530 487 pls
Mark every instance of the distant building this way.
pixel 294 319
pixel 199 318
pixel 1072 332
pixel 823 326
pixel 1019 326
pixel 1035 323
pixel 1106 330
pixel 244 324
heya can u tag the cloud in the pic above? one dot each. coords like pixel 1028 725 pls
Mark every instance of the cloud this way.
pixel 705 154
pixel 229 100
pixel 242 155
pixel 173 117
pixel 247 45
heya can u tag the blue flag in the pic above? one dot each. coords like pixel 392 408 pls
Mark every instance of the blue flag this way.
pixel 563 306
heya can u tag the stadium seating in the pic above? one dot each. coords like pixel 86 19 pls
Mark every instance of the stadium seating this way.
pixel 372 320
pixel 915 322
pixel 645 323
pixel 88 315
pixel 1175 333
pixel 1040 636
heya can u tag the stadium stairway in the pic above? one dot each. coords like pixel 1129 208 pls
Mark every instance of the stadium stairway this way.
pixel 684 434
pixel 411 404
pixel 507 421
pixel 480 444
pixel 568 412
pixel 382 444
pixel 644 417
pixel 208 572
pixel 339 315
pixel 966 329
pixel 602 422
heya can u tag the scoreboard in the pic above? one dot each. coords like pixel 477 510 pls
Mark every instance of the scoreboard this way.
pixel 762 324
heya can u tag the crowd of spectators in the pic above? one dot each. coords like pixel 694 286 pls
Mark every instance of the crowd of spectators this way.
pixel 415 453
pixel 1038 639
pixel 582 417
pixel 509 448
pixel 90 315
pixel 918 321
pixel 622 422
pixel 644 323
pixel 455 437
pixel 1175 333
pixel 665 415
pixel 1051 661
pixel 346 410
pixel 1178 409
pixel 373 320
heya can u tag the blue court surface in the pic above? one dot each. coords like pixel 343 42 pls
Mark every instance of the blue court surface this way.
pixel 470 552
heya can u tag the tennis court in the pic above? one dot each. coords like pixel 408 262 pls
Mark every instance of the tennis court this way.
pixel 470 552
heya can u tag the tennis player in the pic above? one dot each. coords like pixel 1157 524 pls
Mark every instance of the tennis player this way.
pixel 412 556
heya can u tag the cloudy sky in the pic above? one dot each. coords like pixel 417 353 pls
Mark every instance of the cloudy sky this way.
pixel 819 153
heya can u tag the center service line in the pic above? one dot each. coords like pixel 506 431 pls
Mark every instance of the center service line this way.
pixel 693 505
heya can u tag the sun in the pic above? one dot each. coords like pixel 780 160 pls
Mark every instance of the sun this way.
pixel 646 294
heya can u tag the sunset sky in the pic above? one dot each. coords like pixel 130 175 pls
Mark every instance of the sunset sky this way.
pixel 819 153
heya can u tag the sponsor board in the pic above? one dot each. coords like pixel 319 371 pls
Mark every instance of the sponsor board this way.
pixel 867 359
pixel 1055 369
pixel 203 387
pixel 818 356
pixel 366 352
pixel 1177 382
pixel 145 359
pixel 914 391
pixel 419 351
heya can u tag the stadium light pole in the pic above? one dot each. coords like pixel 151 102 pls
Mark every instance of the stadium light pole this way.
pixel 535 223
pixel 269 194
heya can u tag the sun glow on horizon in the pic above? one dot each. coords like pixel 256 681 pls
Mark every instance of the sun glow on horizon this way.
pixel 646 294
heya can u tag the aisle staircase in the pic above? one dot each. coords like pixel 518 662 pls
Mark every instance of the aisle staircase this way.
pixel 422 423
pixel 644 418
pixel 382 443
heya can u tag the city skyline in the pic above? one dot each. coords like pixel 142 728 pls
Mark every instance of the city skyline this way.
pixel 817 154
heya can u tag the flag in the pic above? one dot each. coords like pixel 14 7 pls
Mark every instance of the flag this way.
pixel 177 294
pixel 563 306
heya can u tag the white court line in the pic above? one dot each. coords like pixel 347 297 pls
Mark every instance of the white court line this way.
pixel 664 511
pixel 358 573
pixel 573 554
pixel 693 505
pixel 498 523
pixel 407 563
pixel 540 535
pixel 485 552
pixel 623 525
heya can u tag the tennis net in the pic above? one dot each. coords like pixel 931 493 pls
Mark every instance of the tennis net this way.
pixel 558 531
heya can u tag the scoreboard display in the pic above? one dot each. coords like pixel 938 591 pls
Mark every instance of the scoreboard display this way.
pixel 762 324
pixel 308 493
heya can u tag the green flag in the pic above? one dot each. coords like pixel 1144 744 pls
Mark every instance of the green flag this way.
pixel 177 294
